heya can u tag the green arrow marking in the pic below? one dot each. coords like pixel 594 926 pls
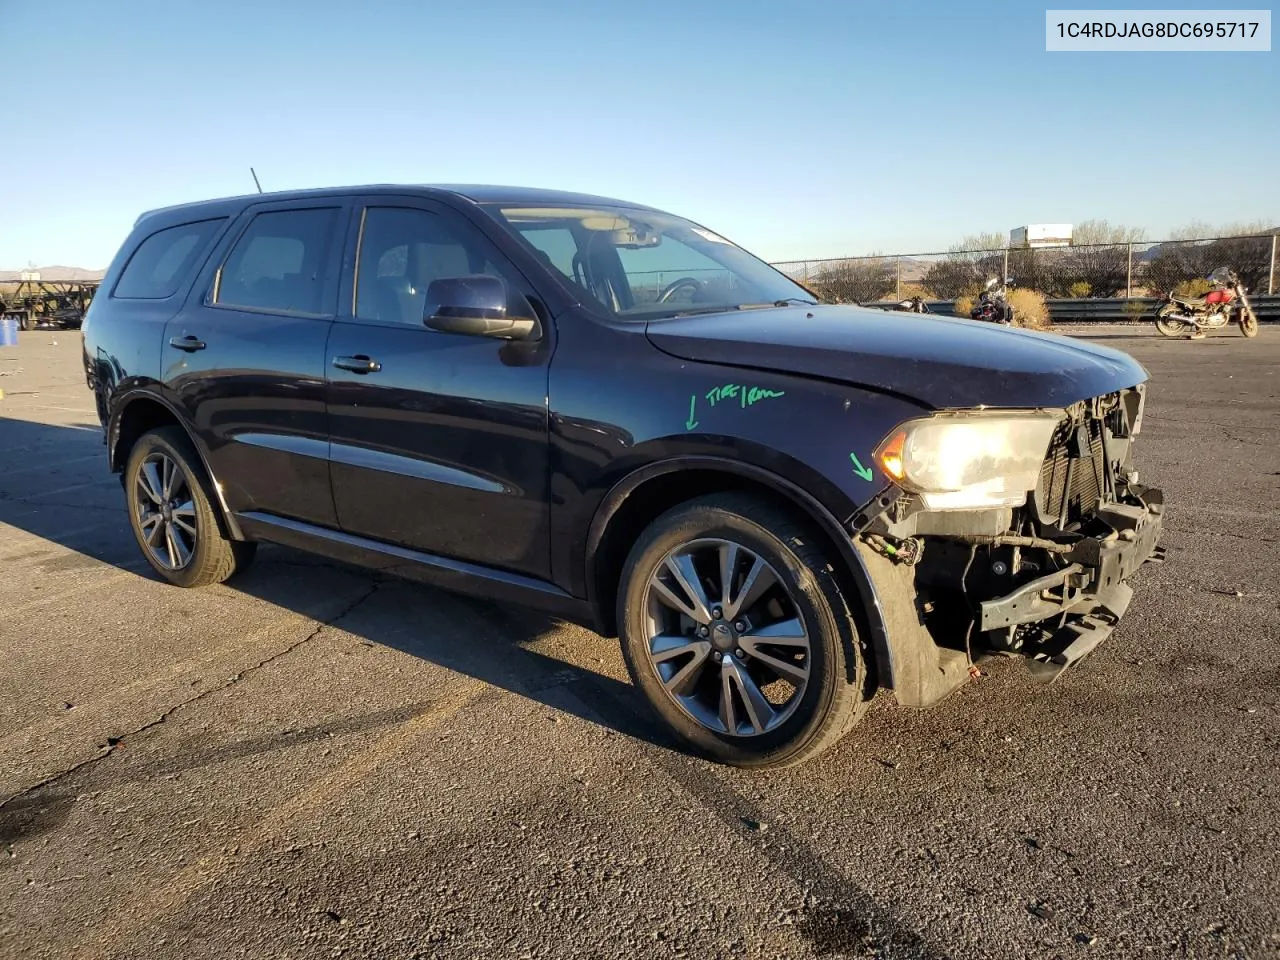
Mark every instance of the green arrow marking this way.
pixel 864 472
pixel 691 423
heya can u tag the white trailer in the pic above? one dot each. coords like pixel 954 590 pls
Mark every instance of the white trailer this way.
pixel 1041 235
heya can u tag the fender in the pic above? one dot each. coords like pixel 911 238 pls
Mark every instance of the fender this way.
pixel 852 558
pixel 121 402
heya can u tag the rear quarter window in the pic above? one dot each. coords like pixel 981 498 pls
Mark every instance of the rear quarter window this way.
pixel 165 259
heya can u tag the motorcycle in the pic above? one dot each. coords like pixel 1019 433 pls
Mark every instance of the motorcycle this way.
pixel 1191 316
pixel 993 304
pixel 912 305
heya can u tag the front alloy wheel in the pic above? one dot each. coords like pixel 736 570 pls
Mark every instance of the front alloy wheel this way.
pixel 735 628
pixel 725 638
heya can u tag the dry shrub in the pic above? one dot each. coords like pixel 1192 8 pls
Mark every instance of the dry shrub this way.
pixel 1193 288
pixel 1080 289
pixel 864 280
pixel 965 300
pixel 1029 309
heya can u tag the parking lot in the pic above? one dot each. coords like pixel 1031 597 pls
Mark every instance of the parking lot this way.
pixel 314 760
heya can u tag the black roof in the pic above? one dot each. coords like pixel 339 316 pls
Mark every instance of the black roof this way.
pixel 476 193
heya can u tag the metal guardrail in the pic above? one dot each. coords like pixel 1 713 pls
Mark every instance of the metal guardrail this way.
pixel 1105 310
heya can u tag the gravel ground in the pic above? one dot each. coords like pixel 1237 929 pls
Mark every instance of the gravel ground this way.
pixel 317 761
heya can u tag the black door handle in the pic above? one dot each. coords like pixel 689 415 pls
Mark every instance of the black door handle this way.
pixel 189 344
pixel 357 364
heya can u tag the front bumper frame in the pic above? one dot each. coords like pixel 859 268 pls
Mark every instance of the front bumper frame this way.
pixel 1090 594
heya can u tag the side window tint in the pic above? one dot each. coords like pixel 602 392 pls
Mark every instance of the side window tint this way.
pixel 556 247
pixel 402 250
pixel 278 263
pixel 163 260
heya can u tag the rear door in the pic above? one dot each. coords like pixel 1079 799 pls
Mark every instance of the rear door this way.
pixel 441 445
pixel 246 358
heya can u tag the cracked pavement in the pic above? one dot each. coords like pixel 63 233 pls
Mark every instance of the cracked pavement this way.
pixel 316 760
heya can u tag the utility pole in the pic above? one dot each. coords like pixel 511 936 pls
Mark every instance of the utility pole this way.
pixel 897 284
pixel 1128 281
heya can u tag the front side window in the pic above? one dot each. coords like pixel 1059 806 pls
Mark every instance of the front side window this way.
pixel 402 250
pixel 645 265
pixel 163 260
pixel 278 264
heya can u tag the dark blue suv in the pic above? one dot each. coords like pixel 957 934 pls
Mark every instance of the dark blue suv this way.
pixel 621 417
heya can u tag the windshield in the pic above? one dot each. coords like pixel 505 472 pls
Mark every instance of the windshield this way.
pixel 645 265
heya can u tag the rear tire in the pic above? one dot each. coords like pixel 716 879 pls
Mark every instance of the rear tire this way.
pixel 172 514
pixel 799 622
pixel 1169 326
pixel 28 322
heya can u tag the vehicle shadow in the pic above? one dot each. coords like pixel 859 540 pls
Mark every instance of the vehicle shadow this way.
pixel 486 641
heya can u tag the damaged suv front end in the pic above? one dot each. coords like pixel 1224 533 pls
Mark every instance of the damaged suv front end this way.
pixel 1012 532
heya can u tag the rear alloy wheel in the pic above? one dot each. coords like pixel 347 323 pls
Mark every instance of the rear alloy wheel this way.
pixel 166 512
pixel 172 515
pixel 735 628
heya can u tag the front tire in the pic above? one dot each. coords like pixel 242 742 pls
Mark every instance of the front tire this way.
pixel 1248 322
pixel 735 628
pixel 172 515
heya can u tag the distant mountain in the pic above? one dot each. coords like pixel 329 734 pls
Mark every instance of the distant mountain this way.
pixel 52 273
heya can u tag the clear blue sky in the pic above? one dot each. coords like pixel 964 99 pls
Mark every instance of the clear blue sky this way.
pixel 798 129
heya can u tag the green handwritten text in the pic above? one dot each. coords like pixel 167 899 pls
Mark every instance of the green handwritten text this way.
pixel 745 395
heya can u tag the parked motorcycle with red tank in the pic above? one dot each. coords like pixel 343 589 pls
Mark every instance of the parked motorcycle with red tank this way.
pixel 1228 302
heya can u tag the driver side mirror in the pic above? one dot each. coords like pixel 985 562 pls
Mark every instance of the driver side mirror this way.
pixel 477 306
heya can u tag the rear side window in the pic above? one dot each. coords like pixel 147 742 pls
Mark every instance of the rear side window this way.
pixel 163 260
pixel 278 263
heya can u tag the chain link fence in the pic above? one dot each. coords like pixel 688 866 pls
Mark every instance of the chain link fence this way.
pixel 1110 271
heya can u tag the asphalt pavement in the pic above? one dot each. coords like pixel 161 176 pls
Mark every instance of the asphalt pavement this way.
pixel 316 761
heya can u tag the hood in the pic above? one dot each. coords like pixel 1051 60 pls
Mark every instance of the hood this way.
pixel 942 362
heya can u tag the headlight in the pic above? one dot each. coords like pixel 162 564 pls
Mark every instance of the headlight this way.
pixel 969 460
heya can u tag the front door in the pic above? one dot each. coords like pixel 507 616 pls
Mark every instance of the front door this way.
pixel 245 359
pixel 439 442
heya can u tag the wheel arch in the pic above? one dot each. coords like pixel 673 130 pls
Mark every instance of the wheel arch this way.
pixel 643 495
pixel 141 410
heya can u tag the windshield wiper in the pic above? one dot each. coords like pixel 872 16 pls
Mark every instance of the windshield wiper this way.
pixel 729 307
pixel 774 303
pixel 725 308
